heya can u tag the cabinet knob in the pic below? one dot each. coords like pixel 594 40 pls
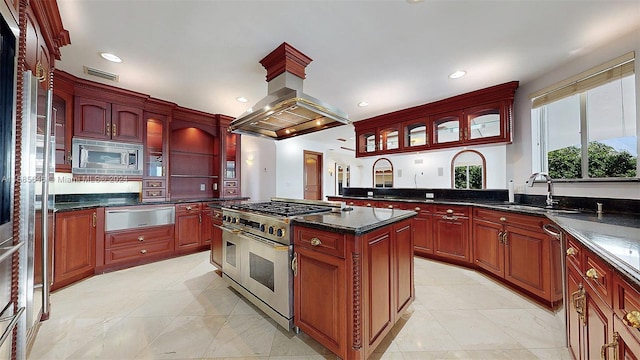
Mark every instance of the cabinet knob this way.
pixel 188 208
pixel 369 204
pixel 390 206
pixel 592 274
pixel 315 242
pixel 140 238
pixel 572 251
pixel 449 211
pixel 113 130
pixel 351 203
pixel 143 251
pixel 632 318
pixel 503 219
pixel 417 208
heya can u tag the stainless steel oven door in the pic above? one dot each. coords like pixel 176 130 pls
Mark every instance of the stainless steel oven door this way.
pixel 267 272
pixel 231 254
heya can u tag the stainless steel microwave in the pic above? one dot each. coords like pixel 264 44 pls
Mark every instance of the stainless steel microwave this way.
pixel 96 157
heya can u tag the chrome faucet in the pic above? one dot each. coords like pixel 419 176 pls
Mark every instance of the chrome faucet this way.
pixel 532 178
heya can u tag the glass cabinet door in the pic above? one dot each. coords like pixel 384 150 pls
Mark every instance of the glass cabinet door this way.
pixel 155 157
pixel 389 139
pixel 231 142
pixel 367 142
pixel 446 128
pixel 483 122
pixel 415 134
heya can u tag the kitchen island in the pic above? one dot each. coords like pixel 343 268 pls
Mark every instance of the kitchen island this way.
pixel 353 276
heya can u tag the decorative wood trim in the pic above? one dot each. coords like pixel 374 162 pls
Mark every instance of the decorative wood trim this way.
pixel 357 300
pixel 285 58
pixel 159 106
pixel 51 27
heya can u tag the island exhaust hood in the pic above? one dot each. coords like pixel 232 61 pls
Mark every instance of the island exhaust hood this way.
pixel 286 111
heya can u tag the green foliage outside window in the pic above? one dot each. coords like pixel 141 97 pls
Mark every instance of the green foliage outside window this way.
pixel 475 177
pixel 604 162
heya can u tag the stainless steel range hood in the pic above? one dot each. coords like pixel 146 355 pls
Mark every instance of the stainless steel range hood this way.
pixel 286 111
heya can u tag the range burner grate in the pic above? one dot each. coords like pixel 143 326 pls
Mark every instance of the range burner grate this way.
pixel 281 208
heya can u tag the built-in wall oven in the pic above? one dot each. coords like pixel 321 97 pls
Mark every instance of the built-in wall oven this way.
pixel 257 252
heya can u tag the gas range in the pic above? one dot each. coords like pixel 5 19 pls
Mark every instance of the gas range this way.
pixel 271 219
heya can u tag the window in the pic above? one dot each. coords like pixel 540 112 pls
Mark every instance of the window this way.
pixel 587 128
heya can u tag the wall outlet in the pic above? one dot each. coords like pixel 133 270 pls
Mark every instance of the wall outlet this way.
pixel 202 187
pixel 369 193
pixel 429 195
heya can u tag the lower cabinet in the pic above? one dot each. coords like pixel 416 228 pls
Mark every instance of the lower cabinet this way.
pixel 350 290
pixel 74 249
pixel 422 230
pixel 188 230
pixel 138 246
pixel 451 233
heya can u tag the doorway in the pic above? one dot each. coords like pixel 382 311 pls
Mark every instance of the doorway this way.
pixel 312 175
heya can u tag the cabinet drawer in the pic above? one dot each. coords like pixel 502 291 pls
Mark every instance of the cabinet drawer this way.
pixel 574 252
pixel 599 276
pixel 153 193
pixel 131 237
pixel 231 184
pixel 505 217
pixel 626 304
pixel 188 208
pixel 451 210
pixel 155 183
pixel 138 252
pixel 321 241
pixel 231 191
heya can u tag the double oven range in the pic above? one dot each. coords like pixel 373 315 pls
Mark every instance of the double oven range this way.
pixel 257 250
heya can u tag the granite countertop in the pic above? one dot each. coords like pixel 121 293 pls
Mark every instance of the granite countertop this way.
pixel 110 202
pixel 359 220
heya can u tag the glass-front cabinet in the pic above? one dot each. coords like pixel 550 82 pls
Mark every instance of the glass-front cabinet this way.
pixel 478 117
pixel 230 164
pixel 154 183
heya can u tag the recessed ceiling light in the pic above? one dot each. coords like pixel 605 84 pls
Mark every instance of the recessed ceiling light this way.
pixel 242 99
pixel 414 1
pixel 458 74
pixel 363 103
pixel 111 57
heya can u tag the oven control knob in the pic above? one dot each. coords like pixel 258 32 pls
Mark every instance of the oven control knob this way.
pixel 234 220
pixel 224 218
pixel 271 230
pixel 263 228
pixel 280 233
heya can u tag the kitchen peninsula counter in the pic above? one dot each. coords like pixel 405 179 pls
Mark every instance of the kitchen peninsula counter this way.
pixel 92 203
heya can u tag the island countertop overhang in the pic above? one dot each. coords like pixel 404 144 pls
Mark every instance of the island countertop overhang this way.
pixel 357 221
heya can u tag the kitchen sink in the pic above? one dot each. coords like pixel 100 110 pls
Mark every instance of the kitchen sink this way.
pixel 540 209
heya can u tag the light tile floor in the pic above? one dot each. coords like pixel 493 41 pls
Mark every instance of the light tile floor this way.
pixel 181 309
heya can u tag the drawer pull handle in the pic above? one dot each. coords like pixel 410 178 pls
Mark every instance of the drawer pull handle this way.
pixel 94 218
pixel 390 206
pixel 613 344
pixel 315 242
pixel 632 319
pixel 449 211
pixel 351 203
pixel 592 274
pixel 294 264
pixel 572 251
pixel 143 251
pixel 503 219
pixel 113 130
pixel 140 238
pixel 188 208
pixel 449 217
pixel 417 208
pixel 369 204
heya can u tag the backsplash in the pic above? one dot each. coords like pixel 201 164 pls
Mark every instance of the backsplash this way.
pixel 588 204
pixel 499 195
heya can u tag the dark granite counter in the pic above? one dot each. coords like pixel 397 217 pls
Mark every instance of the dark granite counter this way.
pixel 358 221
pixel 92 203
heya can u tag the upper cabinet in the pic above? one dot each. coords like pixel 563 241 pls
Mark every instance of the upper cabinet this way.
pixel 479 117
pixel 157 116
pixel 230 159
pixel 97 119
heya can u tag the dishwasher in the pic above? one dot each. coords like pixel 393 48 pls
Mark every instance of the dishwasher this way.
pixel 125 219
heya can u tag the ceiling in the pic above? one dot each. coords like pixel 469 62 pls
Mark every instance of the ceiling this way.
pixel 393 54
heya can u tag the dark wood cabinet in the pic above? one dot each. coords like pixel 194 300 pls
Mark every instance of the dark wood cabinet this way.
pixel 229 159
pixel 74 250
pixel 206 224
pixel 138 246
pixel 188 226
pixel 99 119
pixel 422 229
pixel 451 233
pixel 488 246
pixel 478 117
pixel 63 112
pixel 156 157
pixel 352 288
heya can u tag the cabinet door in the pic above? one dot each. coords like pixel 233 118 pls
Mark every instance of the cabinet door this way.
pixel 188 231
pixel 320 298
pixel 366 142
pixel 451 237
pixel 207 227
pixel 379 279
pixel 126 123
pixel 422 232
pixel 403 269
pixel 628 344
pixel 63 109
pixel 599 326
pixel 92 118
pixel 485 123
pixel 574 312
pixel 74 247
pixel 488 250
pixel 527 260
pixel 447 129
